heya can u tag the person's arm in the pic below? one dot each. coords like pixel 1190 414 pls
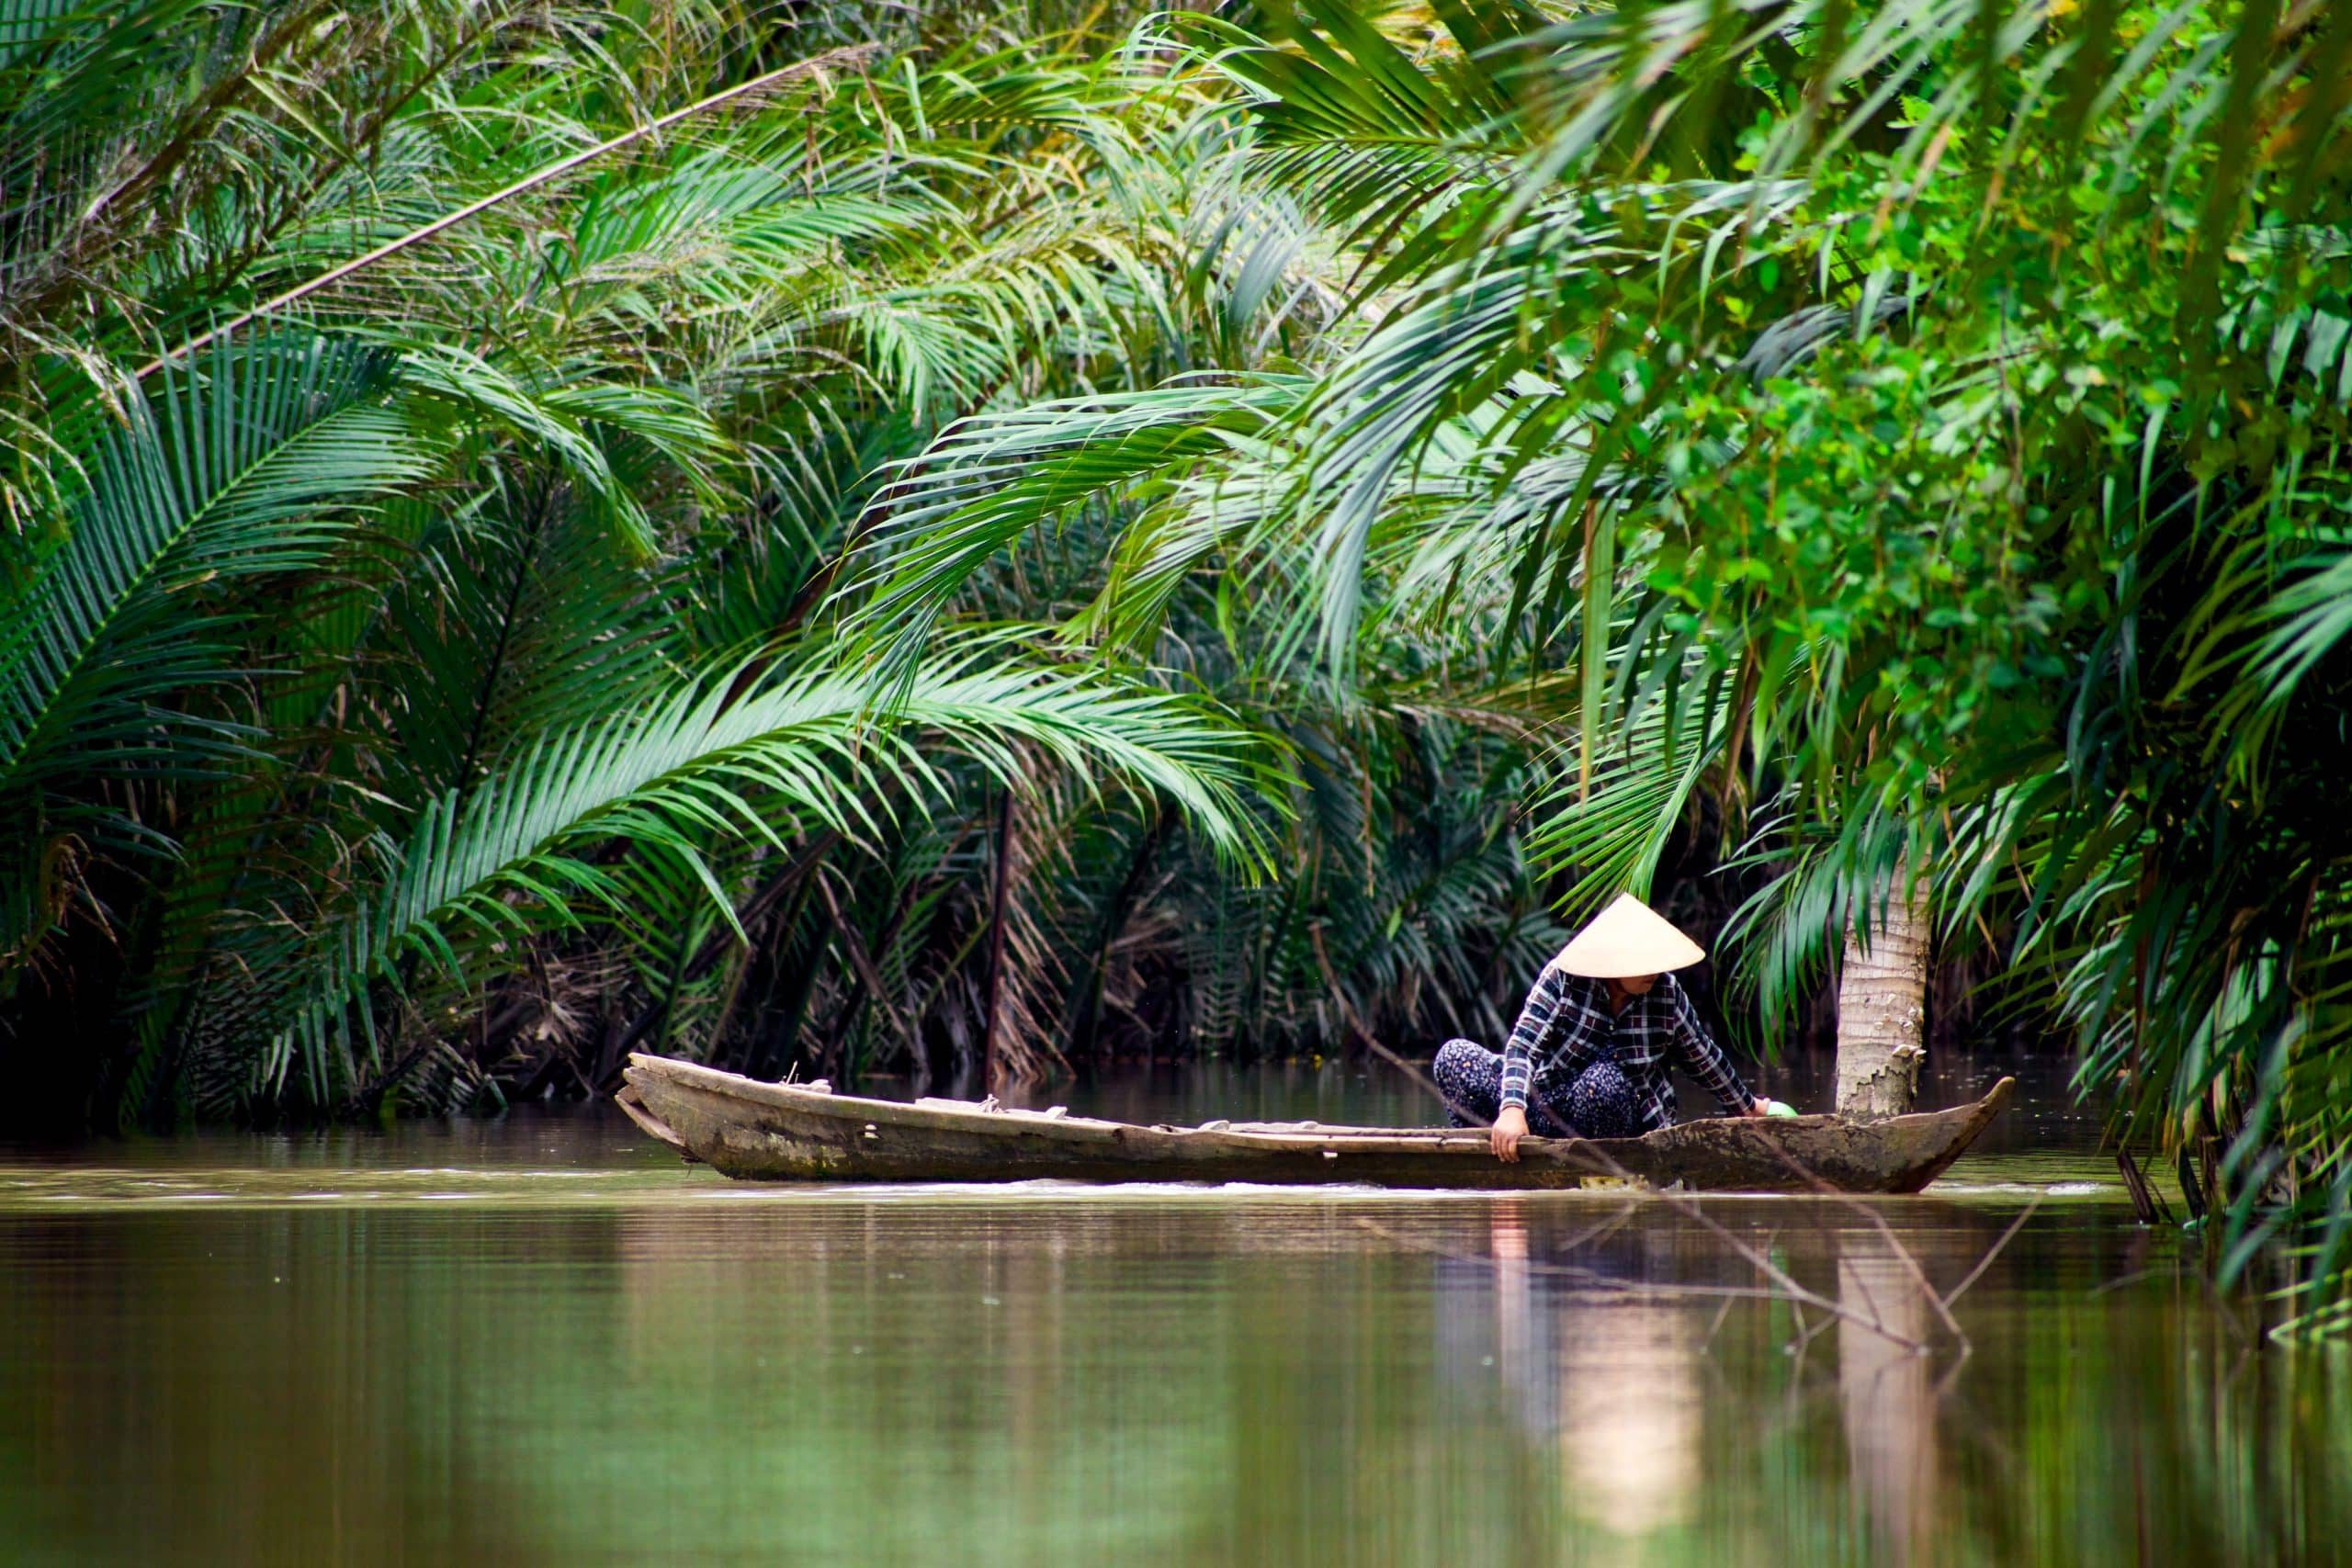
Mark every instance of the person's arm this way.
pixel 1519 1062
pixel 1535 1020
pixel 1705 1059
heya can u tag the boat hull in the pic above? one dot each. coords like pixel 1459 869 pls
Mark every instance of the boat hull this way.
pixel 766 1131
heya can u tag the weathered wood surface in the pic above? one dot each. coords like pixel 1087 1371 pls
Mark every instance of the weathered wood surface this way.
pixel 650 1124
pixel 768 1131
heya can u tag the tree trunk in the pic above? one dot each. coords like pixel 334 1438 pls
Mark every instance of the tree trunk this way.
pixel 1883 1007
pixel 991 1007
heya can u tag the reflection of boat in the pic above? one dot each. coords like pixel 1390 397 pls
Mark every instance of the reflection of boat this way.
pixel 793 1131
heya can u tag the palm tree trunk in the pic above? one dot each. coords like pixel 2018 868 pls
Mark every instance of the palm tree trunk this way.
pixel 1883 1007
pixel 992 1026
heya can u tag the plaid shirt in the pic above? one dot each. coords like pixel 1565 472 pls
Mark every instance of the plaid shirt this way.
pixel 1566 1026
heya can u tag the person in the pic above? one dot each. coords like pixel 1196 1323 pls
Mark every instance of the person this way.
pixel 1591 1053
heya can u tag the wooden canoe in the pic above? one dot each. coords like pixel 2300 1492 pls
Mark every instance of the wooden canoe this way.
pixel 771 1132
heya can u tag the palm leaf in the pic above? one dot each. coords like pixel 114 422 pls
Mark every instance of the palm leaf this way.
pixel 259 465
pixel 804 752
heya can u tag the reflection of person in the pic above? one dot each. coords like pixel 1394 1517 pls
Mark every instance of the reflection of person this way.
pixel 1602 1378
pixel 1589 1054
pixel 1632 1416
pixel 1497 1320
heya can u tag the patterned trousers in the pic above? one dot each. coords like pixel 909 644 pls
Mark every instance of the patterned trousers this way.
pixel 1601 1105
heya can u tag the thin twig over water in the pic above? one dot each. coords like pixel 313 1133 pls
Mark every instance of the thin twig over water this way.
pixel 1986 1261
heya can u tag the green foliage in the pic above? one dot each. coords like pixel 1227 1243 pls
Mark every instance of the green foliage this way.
pixel 1961 393
pixel 259 466
pixel 1912 435
pixel 807 752
pixel 442 680
pixel 1901 448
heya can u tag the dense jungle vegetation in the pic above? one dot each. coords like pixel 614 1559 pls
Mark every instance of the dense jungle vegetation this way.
pixel 828 537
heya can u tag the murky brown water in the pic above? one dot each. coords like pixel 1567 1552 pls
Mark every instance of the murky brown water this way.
pixel 543 1340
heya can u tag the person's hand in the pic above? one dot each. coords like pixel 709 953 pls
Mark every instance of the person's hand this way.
pixel 1509 1128
pixel 1758 1107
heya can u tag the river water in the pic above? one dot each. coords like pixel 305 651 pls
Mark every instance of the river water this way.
pixel 543 1340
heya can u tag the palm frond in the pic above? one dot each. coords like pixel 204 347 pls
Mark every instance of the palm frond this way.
pixel 807 752
pixel 258 466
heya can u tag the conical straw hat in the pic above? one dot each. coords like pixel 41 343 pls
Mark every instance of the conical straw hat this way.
pixel 1628 937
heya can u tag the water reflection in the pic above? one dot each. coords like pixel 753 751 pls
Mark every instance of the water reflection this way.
pixel 1629 1412
pixel 699 1373
pixel 1886 1390
pixel 1611 1376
